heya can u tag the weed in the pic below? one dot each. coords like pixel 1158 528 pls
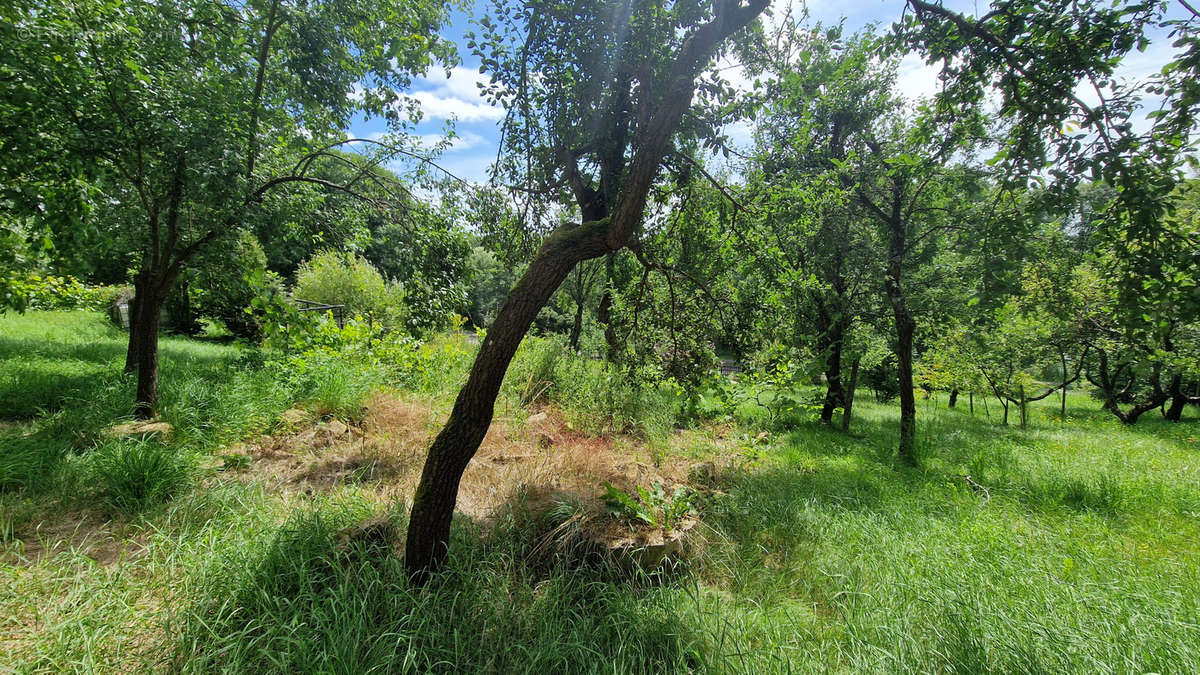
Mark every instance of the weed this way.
pixel 131 475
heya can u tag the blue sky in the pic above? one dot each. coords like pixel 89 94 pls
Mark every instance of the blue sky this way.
pixel 455 99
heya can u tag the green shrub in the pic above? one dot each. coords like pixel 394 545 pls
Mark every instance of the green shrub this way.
pixel 132 475
pixel 227 280
pixel 334 278
pixel 52 292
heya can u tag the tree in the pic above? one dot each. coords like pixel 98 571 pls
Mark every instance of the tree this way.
pixel 613 84
pixel 190 112
pixel 813 238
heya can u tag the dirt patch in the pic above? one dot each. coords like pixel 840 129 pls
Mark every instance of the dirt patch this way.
pixel 541 459
pixel 80 531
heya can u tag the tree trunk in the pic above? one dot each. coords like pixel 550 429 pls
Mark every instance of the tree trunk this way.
pixel 834 394
pixel 456 444
pixel 1023 403
pixel 147 370
pixel 1174 412
pixel 971 401
pixel 848 406
pixel 1063 401
pixel 604 311
pixel 137 334
pixel 905 328
pixel 576 327
pixel 953 397
pixel 437 492
pixel 150 295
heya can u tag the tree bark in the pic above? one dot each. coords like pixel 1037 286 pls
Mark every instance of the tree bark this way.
pixel 456 444
pixel 576 328
pixel 848 406
pixel 953 397
pixel 835 396
pixel 433 503
pixel 1062 411
pixel 1174 412
pixel 905 328
pixel 137 326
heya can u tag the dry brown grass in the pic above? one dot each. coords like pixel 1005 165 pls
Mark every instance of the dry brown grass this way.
pixel 541 458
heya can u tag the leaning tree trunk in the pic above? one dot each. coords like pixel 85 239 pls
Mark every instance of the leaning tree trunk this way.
pixel 456 444
pixel 433 503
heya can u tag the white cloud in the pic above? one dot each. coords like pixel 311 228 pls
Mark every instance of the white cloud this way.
pixel 463 141
pixel 455 97
pixel 916 79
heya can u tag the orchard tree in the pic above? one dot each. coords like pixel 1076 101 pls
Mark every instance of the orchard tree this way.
pixel 189 113
pixel 596 93
pixel 811 237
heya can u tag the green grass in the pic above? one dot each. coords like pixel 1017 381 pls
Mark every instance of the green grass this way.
pixel 1074 548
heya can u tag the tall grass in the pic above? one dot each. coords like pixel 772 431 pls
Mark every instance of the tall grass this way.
pixel 1071 548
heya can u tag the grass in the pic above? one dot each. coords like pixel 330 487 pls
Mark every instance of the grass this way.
pixel 1073 548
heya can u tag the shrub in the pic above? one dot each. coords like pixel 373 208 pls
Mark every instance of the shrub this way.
pixel 227 280
pixel 52 292
pixel 334 278
pixel 132 475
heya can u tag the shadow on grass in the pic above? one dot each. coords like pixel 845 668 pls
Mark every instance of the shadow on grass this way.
pixel 309 603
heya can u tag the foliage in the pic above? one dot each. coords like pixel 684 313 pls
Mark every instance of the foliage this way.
pixel 132 475
pixel 333 278
pixel 226 281
pixel 48 292
pixel 653 507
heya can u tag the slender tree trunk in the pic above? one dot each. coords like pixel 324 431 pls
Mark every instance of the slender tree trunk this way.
pixel 905 328
pixel 1004 403
pixel 834 394
pixel 456 444
pixel 953 397
pixel 1023 403
pixel 604 311
pixel 849 404
pixel 971 400
pixel 576 327
pixel 1062 412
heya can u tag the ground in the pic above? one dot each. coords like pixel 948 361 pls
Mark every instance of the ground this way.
pixel 1071 546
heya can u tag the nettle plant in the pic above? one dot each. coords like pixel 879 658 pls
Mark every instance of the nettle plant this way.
pixel 654 507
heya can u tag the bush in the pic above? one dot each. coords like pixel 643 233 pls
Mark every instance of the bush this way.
pixel 51 292
pixel 227 280
pixel 334 278
pixel 132 475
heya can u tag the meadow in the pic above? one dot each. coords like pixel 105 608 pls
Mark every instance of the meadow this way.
pixel 1069 546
